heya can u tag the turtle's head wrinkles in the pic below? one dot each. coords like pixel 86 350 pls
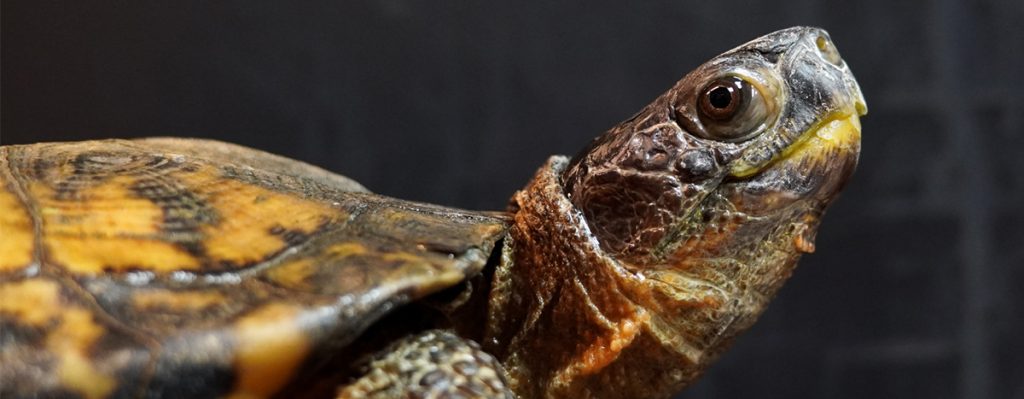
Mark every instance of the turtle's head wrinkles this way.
pixel 630 267
pixel 760 133
pixel 709 194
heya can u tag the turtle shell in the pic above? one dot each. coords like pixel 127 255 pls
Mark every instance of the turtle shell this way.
pixel 182 268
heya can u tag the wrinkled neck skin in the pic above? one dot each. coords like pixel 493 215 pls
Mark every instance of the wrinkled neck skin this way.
pixel 628 269
pixel 570 321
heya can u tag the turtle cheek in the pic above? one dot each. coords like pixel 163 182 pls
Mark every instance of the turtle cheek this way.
pixel 697 165
pixel 787 184
pixel 767 195
pixel 804 179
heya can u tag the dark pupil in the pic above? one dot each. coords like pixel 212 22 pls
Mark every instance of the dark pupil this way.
pixel 720 97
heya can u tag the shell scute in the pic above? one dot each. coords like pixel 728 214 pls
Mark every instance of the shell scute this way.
pixel 160 260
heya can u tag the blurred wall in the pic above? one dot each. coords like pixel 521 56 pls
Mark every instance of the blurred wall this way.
pixel 916 289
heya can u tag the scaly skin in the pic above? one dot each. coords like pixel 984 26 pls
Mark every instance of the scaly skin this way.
pixel 630 268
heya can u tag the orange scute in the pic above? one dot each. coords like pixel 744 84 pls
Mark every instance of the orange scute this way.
pixel 271 346
pixel 248 214
pixel 109 227
pixel 346 249
pixel 33 302
pixel 71 341
pixel 106 227
pixel 293 274
pixel 37 303
pixel 91 256
pixel 16 246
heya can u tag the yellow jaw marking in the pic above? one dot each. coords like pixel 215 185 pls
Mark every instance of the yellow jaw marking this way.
pixel 838 133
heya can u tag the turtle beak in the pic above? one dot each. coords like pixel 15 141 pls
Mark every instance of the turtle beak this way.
pixel 836 139
pixel 823 103
pixel 827 54
pixel 819 134
pixel 860 104
pixel 834 142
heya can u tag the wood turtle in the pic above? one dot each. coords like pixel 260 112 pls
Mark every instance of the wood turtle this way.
pixel 187 268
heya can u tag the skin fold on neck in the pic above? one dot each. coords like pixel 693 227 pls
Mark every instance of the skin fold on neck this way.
pixel 567 320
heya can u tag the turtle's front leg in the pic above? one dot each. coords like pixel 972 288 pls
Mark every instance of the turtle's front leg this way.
pixel 433 364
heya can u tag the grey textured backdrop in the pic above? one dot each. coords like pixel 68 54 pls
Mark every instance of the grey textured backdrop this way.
pixel 916 289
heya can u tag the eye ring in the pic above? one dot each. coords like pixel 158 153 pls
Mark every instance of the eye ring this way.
pixel 731 109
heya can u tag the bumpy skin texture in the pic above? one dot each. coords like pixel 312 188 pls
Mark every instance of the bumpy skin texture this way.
pixel 640 181
pixel 190 268
pixel 631 267
pixel 432 365
pixel 579 333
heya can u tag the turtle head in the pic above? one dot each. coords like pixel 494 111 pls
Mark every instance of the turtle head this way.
pixel 709 195
pixel 631 266
pixel 764 134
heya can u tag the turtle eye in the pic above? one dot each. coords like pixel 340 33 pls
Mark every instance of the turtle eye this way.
pixel 731 109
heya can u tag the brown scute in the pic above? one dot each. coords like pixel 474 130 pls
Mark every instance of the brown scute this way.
pixel 180 268
pixel 192 364
pixel 232 154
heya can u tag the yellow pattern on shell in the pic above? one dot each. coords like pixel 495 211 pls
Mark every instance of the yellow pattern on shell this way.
pixel 346 249
pixel 71 342
pixel 16 244
pixel 33 302
pixel 132 216
pixel 271 346
pixel 37 303
pixel 248 213
pixel 106 226
pixel 109 227
pixel 293 274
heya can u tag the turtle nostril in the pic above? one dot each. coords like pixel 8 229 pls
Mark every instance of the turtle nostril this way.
pixel 862 108
pixel 828 50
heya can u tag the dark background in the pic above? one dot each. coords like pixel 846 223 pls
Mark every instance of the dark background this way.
pixel 916 289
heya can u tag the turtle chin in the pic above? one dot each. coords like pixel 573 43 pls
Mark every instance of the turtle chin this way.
pixel 744 242
pixel 762 222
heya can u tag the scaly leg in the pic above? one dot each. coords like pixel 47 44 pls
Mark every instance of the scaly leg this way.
pixel 432 365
